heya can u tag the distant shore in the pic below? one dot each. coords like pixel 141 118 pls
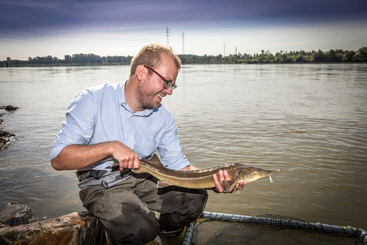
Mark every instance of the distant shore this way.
pixel 265 57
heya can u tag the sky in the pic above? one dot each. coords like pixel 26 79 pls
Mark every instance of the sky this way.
pixel 30 28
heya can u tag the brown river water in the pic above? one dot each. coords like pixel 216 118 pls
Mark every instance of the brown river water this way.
pixel 308 120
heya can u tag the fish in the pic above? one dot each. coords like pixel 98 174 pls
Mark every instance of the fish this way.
pixel 202 178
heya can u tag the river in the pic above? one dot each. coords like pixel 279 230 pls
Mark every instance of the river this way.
pixel 308 120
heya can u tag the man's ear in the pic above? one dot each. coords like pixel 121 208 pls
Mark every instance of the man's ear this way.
pixel 141 72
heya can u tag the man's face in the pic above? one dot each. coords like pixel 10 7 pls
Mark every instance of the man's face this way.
pixel 151 90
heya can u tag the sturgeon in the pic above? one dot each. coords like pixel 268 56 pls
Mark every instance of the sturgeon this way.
pixel 202 178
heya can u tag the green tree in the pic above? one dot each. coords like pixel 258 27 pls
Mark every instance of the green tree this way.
pixel 361 55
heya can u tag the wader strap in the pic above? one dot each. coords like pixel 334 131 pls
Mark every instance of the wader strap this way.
pixel 104 178
pixel 92 173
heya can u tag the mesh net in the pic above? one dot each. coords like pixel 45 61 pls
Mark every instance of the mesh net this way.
pixel 227 232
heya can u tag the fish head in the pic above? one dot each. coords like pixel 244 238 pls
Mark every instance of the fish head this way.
pixel 250 174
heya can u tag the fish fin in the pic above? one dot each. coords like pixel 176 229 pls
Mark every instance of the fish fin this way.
pixel 271 179
pixel 229 185
pixel 162 184
pixel 154 161
pixel 115 163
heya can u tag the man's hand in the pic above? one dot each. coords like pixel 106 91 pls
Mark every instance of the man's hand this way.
pixel 126 157
pixel 223 176
pixel 80 156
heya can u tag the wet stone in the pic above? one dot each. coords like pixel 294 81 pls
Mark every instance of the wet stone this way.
pixel 9 108
pixel 5 137
pixel 15 214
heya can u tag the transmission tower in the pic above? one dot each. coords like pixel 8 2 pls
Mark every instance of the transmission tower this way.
pixel 167 34
pixel 224 50
pixel 183 43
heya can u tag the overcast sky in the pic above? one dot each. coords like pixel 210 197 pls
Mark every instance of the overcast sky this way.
pixel 30 28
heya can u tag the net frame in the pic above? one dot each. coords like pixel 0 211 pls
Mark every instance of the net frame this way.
pixel 286 223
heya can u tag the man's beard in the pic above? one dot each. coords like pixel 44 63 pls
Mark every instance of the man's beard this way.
pixel 147 99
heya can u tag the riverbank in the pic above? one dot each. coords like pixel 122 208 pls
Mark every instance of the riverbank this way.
pixel 17 226
pixel 83 228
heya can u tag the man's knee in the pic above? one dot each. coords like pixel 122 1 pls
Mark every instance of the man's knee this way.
pixel 132 227
pixel 195 200
pixel 191 207
pixel 123 215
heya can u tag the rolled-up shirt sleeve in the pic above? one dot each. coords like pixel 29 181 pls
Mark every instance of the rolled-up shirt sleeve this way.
pixel 78 127
pixel 170 147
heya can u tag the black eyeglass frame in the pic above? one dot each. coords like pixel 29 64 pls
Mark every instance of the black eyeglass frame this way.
pixel 167 83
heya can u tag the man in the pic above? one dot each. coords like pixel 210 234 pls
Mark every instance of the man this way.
pixel 128 122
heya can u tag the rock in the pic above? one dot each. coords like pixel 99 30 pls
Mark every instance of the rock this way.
pixel 9 108
pixel 15 214
pixel 5 138
pixel 75 228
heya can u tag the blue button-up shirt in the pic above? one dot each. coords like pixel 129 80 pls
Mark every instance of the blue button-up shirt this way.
pixel 101 114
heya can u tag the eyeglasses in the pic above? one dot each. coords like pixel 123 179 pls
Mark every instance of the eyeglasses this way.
pixel 167 83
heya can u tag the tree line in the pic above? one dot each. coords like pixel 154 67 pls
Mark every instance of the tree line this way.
pixel 265 57
pixel 331 56
pixel 75 59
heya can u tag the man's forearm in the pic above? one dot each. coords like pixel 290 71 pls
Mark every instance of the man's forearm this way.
pixel 78 156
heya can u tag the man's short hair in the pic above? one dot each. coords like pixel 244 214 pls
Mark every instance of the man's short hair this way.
pixel 150 55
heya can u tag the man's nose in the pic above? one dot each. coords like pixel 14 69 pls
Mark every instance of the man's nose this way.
pixel 169 90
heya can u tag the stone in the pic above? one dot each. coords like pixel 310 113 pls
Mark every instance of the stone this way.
pixel 74 228
pixel 5 139
pixel 15 214
pixel 9 108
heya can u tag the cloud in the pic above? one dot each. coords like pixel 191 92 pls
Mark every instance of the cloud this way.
pixel 25 15
pixel 115 27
